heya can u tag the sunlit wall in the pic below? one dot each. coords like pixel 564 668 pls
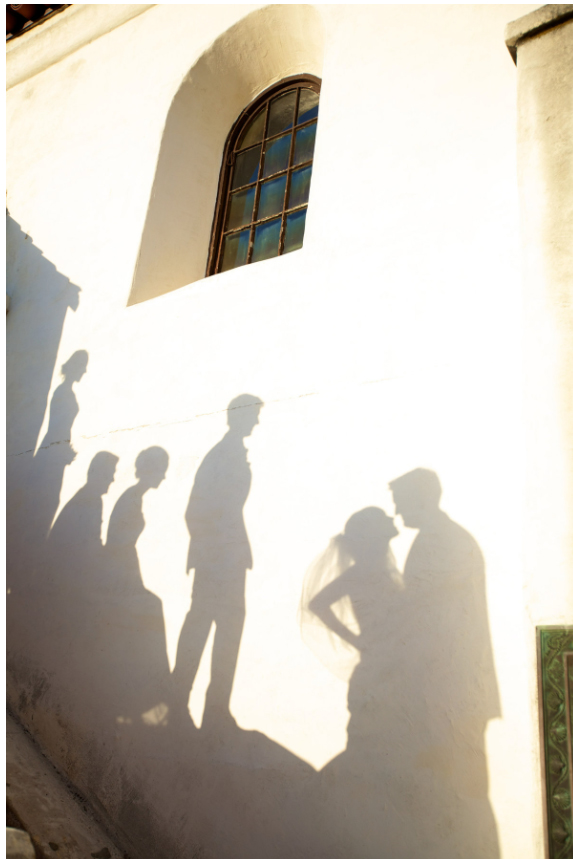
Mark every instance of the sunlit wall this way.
pixel 204 637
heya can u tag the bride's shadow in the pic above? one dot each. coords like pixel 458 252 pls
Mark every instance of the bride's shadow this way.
pixel 413 778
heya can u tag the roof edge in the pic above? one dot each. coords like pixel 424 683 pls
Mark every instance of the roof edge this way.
pixel 77 25
pixel 534 23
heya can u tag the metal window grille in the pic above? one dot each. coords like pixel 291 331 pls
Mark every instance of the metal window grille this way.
pixel 265 178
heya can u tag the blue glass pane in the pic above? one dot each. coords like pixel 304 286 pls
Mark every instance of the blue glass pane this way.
pixel 276 155
pixel 272 197
pixel 308 105
pixel 235 249
pixel 282 113
pixel 267 240
pixel 253 133
pixel 299 187
pixel 294 231
pixel 240 209
pixel 246 167
pixel 304 144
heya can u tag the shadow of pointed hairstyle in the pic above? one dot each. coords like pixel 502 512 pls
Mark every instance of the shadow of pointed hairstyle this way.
pixel 76 365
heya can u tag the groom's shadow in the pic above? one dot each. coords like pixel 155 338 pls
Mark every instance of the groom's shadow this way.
pixel 251 786
pixel 414 774
pixel 413 778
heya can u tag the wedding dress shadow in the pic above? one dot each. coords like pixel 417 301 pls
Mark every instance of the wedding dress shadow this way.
pixel 413 778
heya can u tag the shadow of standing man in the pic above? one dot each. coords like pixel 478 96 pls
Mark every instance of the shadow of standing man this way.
pixel 450 681
pixel 220 554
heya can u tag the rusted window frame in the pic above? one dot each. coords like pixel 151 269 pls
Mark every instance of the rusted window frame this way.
pixel 229 153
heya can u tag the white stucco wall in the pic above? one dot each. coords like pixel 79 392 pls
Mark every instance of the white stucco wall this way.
pixel 393 340
pixel 546 181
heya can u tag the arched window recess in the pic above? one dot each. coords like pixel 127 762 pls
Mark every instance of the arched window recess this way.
pixel 265 178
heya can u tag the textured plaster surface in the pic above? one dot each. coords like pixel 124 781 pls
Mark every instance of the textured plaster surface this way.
pixel 57 820
pixel 544 18
pixel 35 51
pixel 545 147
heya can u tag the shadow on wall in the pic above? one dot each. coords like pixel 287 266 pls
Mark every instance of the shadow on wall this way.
pixel 412 780
pixel 36 482
pixel 220 554
pixel 38 478
pixel 55 451
pixel 39 300
pixel 98 621
pixel 414 772
pixel 175 241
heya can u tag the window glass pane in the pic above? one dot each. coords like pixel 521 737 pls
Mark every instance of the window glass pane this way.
pixel 267 177
pixel 276 155
pixel 266 240
pixel 282 113
pixel 308 105
pixel 299 187
pixel 240 209
pixel 246 167
pixel 272 197
pixel 294 231
pixel 253 133
pixel 304 144
pixel 235 249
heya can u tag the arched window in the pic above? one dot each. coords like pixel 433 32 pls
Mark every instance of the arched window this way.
pixel 265 179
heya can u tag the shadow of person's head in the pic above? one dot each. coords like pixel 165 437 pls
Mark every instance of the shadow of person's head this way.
pixel 75 367
pixel 367 535
pixel 151 467
pixel 416 496
pixel 243 414
pixel 101 472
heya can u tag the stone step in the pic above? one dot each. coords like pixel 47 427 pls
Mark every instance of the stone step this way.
pixel 19 844
pixel 39 799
